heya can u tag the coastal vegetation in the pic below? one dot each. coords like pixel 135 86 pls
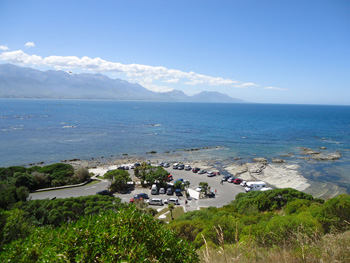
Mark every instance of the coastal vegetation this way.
pixel 129 236
pixel 17 181
pixel 119 180
pixel 258 223
pixel 276 225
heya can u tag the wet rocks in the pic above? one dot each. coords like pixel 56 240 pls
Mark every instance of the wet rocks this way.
pixel 329 157
pixel 288 155
pixel 308 151
pixel 276 160
pixel 315 155
pixel 260 160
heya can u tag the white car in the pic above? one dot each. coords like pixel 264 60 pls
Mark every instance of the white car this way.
pixel 244 184
pixel 172 200
pixel 166 165
pixel 210 174
pixel 188 167
pixel 202 171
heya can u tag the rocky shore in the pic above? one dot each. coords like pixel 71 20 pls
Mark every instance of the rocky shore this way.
pixel 279 172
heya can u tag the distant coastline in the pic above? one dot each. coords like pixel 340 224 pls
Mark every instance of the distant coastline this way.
pixel 19 82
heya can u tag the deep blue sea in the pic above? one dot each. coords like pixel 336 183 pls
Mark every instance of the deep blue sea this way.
pixel 53 130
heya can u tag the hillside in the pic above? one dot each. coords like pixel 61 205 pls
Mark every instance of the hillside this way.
pixel 18 82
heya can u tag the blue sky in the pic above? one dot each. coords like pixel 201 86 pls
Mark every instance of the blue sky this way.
pixel 256 50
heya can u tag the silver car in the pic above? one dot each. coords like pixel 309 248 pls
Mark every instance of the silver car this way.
pixel 172 200
pixel 155 201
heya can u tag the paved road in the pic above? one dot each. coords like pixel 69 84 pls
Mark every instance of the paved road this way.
pixel 225 192
pixel 85 190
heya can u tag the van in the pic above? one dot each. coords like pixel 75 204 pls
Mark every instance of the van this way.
pixel 154 189
pixel 175 165
pixel 155 201
pixel 255 186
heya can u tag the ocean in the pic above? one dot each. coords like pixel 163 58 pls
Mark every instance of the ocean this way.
pixel 49 131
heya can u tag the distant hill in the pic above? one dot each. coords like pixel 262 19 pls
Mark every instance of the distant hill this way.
pixel 19 82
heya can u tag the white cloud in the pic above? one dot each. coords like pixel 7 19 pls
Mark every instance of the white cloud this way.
pixel 144 74
pixel 29 44
pixel 275 88
pixel 4 48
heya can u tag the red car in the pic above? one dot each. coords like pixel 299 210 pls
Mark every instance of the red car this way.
pixel 237 181
pixel 195 170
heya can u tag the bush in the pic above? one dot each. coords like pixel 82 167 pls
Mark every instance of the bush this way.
pixel 127 236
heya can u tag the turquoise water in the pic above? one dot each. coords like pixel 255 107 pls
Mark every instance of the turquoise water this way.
pixel 54 130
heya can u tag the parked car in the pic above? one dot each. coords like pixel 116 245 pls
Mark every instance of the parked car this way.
pixel 202 171
pixel 175 165
pixel 230 180
pixel 144 196
pixel 105 192
pixel 161 164
pixel 162 191
pixel 211 194
pixel 155 201
pixel 169 191
pixel 178 192
pixel 172 200
pixel 187 167
pixel 135 198
pixel 121 168
pixel 226 177
pixel 166 165
pixel 154 190
pixel 243 183
pixel 195 170
pixel 170 178
pixel 210 174
pixel 237 181
pixel 181 167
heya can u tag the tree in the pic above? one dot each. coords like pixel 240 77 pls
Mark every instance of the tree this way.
pixel 171 207
pixel 26 180
pixel 186 184
pixel 179 185
pixel 205 187
pixel 81 175
pixel 22 193
pixel 120 181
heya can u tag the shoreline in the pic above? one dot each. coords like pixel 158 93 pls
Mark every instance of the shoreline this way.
pixel 279 174
pixel 295 170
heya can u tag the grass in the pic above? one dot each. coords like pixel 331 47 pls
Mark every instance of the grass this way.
pixel 329 248
pixel 178 211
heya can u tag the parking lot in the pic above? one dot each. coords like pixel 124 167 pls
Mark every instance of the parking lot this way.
pixel 225 192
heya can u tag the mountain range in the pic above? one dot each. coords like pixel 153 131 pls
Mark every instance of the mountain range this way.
pixel 20 82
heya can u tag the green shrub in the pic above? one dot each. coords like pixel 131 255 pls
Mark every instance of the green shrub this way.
pixel 128 236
